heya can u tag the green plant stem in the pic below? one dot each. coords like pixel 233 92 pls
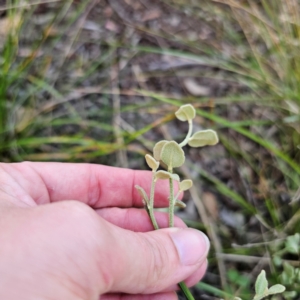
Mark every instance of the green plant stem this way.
pixel 186 291
pixel 151 204
pixel 182 285
pixel 171 203
pixel 186 140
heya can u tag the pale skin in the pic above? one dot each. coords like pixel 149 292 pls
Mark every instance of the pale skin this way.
pixel 78 231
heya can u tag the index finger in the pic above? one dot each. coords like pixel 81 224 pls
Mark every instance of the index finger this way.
pixel 95 185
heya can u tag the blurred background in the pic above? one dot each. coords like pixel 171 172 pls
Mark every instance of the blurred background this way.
pixel 99 81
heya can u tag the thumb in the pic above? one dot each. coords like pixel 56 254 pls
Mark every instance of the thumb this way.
pixel 153 261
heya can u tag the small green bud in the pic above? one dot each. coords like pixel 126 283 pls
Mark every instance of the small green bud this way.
pixel 143 194
pixel 152 163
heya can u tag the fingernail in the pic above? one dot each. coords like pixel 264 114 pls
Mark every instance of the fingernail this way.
pixel 192 245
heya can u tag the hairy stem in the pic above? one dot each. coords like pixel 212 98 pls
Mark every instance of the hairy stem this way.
pixel 189 134
pixel 182 285
pixel 151 204
pixel 171 201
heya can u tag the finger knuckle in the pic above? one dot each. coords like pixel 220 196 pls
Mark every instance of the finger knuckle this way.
pixel 77 215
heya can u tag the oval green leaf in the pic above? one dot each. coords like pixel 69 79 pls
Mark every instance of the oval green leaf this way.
pixel 276 289
pixel 185 113
pixel 157 149
pixel 204 138
pixel 172 155
pixel 151 162
pixel 261 284
pixel 162 175
pixel 186 184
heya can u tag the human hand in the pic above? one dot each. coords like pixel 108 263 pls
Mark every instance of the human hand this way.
pixel 74 231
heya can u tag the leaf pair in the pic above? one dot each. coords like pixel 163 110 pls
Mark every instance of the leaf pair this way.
pixel 172 154
pixel 262 290
pixel 201 138
pixel 154 164
pixel 261 287
pixel 184 185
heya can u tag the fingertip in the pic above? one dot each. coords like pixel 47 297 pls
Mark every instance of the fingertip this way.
pixel 192 245
pixel 156 259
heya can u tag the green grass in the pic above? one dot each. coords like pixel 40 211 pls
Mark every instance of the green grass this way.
pixel 31 101
pixel 263 39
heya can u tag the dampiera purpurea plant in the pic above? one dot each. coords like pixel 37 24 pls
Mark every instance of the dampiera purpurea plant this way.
pixel 171 154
